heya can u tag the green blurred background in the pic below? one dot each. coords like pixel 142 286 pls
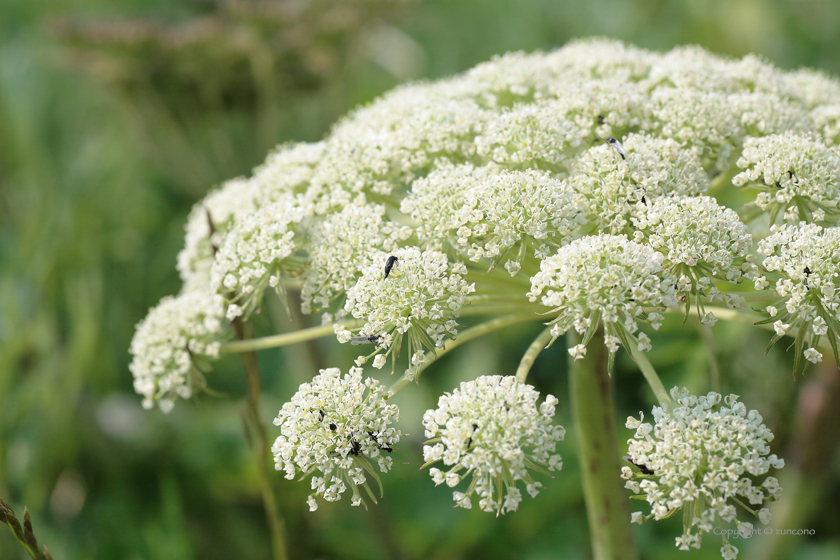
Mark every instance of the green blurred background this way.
pixel 117 115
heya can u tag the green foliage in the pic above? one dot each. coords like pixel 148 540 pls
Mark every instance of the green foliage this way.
pixel 98 169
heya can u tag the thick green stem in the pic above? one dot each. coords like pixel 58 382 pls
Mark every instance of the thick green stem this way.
pixel 593 410
pixel 253 423
pixel 275 341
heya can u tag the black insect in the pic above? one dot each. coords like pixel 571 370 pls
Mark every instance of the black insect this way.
pixel 333 427
pixel 383 446
pixel 778 185
pixel 368 339
pixel 807 275
pixel 600 119
pixel 469 443
pixel 357 449
pixel 389 264
pixel 617 147
pixel 641 467
pixel 643 200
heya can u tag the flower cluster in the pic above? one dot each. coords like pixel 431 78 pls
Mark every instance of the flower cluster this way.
pixel 172 343
pixel 419 300
pixel 703 458
pixel 338 426
pixel 700 240
pixel 342 246
pixel 604 278
pixel 806 257
pixel 485 212
pixel 254 255
pixel 615 186
pixel 491 428
pixel 796 175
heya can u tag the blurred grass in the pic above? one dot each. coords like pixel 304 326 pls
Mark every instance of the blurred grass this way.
pixel 98 170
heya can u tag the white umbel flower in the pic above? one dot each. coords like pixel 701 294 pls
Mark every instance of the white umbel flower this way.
pixel 794 174
pixel 339 427
pixel 806 257
pixel 490 212
pixel 177 337
pixel 420 299
pixel 255 254
pixel 654 166
pixel 341 246
pixel 700 240
pixel 493 429
pixel 603 278
pixel 702 456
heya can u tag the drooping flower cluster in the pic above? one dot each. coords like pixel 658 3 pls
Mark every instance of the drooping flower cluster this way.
pixel 173 343
pixel 806 257
pixel 705 458
pixel 419 300
pixel 493 429
pixel 339 427
pixel 796 175
pixel 604 278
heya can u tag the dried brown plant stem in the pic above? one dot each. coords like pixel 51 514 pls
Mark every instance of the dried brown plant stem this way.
pixel 253 424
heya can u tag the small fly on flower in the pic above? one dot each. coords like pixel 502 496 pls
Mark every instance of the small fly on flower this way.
pixel 389 264
pixel 618 147
pixel 642 467
pixel 368 339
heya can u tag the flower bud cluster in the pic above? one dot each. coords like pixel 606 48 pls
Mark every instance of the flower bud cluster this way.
pixel 614 186
pixel 339 427
pixel 493 429
pixel 702 456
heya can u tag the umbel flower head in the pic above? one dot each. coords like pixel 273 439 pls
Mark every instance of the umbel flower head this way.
pixel 339 427
pixel 795 174
pixel 419 300
pixel 806 258
pixel 700 240
pixel 255 254
pixel 493 429
pixel 604 278
pixel 707 457
pixel 173 344
pixel 486 212
pixel 614 186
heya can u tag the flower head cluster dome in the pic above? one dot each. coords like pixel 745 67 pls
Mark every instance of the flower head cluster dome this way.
pixel 255 254
pixel 493 429
pixel 174 339
pixel 604 278
pixel 654 166
pixel 796 175
pixel 486 212
pixel 806 257
pixel 418 299
pixel 339 427
pixel 702 456
pixel 700 240
pixel 342 246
